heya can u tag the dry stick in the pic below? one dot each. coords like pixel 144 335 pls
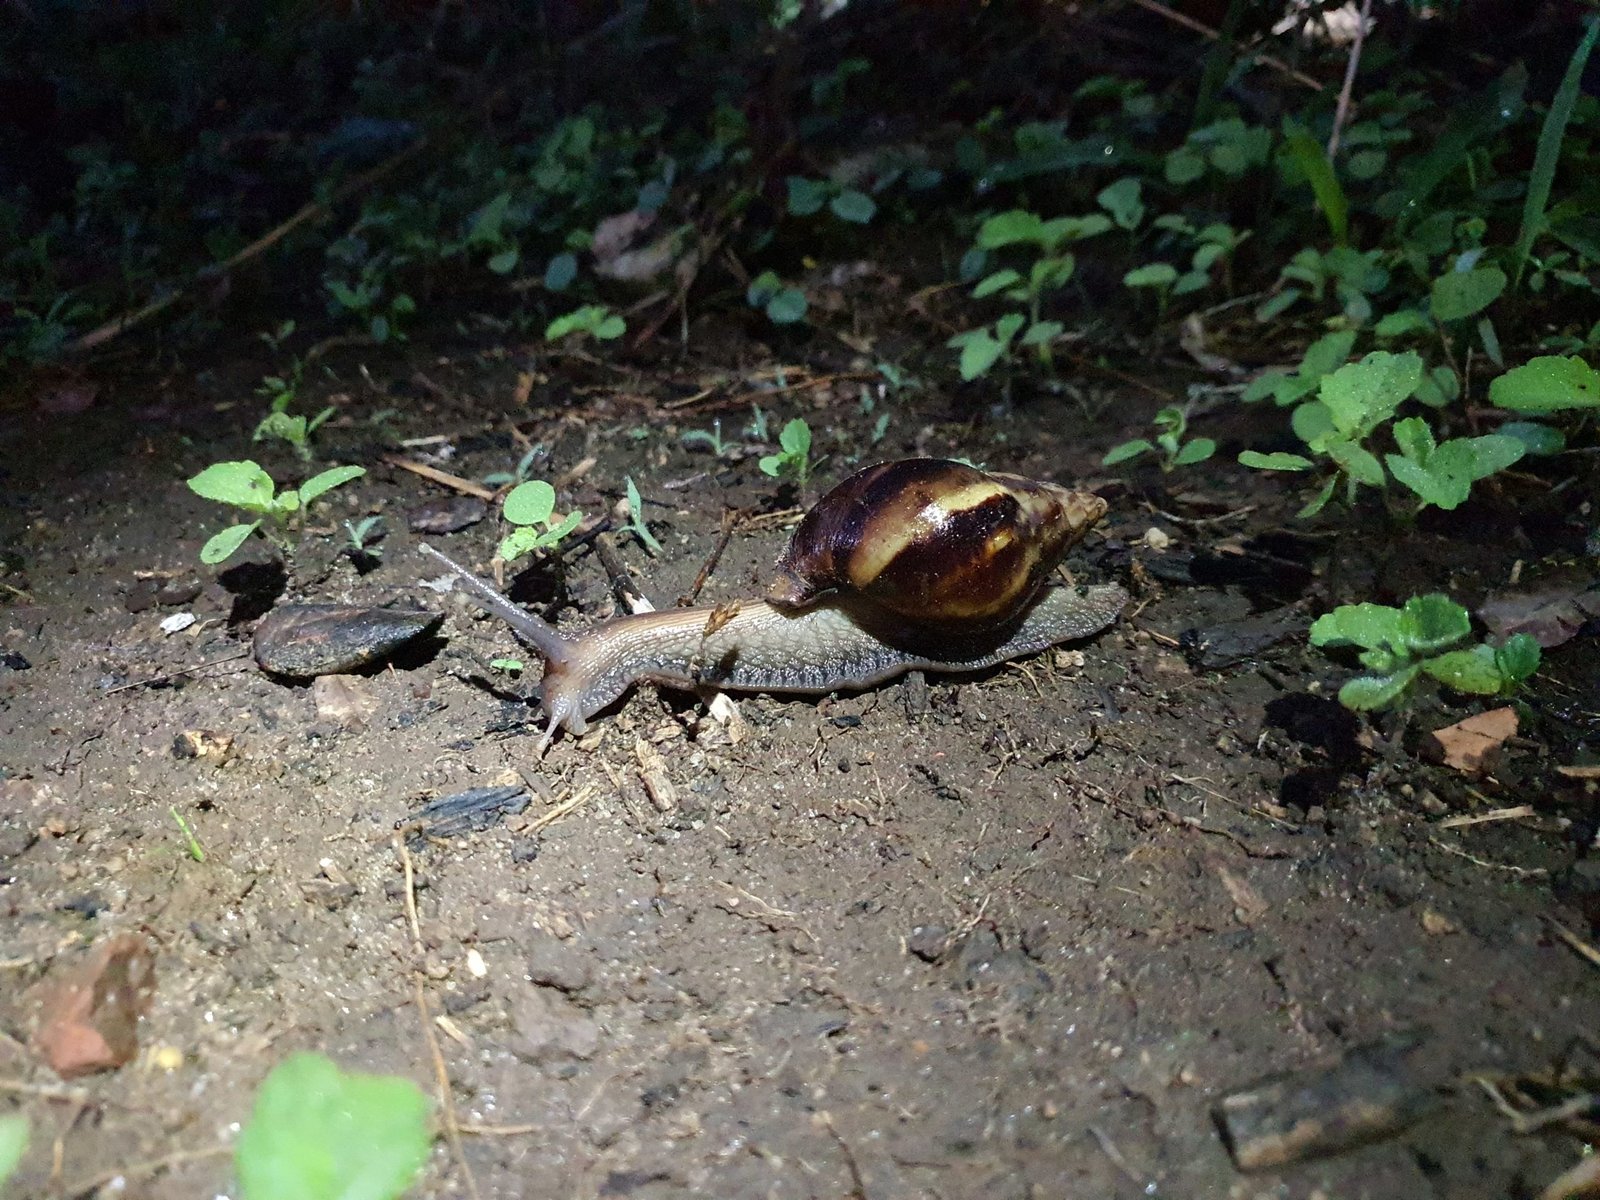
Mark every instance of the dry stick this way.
pixel 1576 944
pixel 443 478
pixel 174 673
pixel 149 1167
pixel 1341 112
pixel 310 212
pixel 621 583
pixel 1483 818
pixel 441 1074
pixel 730 522
pixel 1210 34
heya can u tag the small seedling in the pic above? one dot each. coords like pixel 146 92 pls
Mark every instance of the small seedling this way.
pixel 520 473
pixel 758 426
pixel 319 1133
pixel 1424 637
pixel 191 843
pixel 244 485
pixel 793 460
pixel 592 320
pixel 636 524
pixel 784 305
pixel 711 438
pixel 364 535
pixel 293 428
pixel 531 508
pixel 1171 425
pixel 511 666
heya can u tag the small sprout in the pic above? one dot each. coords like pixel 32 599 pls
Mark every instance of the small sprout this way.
pixel 520 473
pixel 783 305
pixel 1171 424
pixel 636 524
pixel 592 320
pixel 244 485
pixel 191 842
pixel 319 1133
pixel 531 507
pixel 711 438
pixel 511 666
pixel 364 533
pixel 757 429
pixel 794 457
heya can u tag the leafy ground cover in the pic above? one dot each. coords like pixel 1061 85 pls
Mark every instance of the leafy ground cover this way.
pixel 1315 311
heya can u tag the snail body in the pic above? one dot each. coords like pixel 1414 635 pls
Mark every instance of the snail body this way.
pixel 920 564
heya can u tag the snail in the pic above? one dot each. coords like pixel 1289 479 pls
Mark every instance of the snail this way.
pixel 919 564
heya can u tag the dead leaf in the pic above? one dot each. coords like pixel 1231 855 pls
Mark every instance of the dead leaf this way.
pixel 719 616
pixel 89 1012
pixel 1473 746
pixel 343 699
pixel 616 233
pixel 1436 924
pixel 1552 616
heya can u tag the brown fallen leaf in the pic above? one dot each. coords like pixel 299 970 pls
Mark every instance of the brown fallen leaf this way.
pixel 1473 746
pixel 89 1012
pixel 343 699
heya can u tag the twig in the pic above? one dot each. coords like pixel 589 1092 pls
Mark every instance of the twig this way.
pixel 1341 113
pixel 309 212
pixel 561 810
pixel 1581 948
pixel 1205 31
pixel 730 522
pixel 444 478
pixel 174 673
pixel 149 1167
pixel 621 583
pixel 1498 814
pixel 1483 862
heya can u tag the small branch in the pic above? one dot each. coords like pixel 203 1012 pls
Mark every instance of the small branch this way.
pixel 1341 113
pixel 1210 34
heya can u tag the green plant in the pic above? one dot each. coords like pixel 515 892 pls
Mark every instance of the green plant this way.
pixel 518 473
pixel 511 666
pixel 592 320
pixel 319 1133
pixel 1171 423
pixel 710 438
pixel 245 485
pixel 364 536
pixel 1051 267
pixel 13 1143
pixel 531 507
pixel 1357 400
pixel 191 843
pixel 1421 638
pixel 636 523
pixel 807 196
pixel 293 428
pixel 793 459
pixel 783 305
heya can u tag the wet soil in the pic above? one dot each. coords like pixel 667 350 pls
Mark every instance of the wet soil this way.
pixel 1011 936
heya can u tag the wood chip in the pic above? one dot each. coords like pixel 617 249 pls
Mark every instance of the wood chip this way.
pixel 653 772
pixel 1473 746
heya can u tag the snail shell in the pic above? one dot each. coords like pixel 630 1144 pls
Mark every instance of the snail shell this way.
pixel 934 540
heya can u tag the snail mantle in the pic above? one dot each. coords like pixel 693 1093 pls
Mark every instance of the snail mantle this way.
pixel 918 564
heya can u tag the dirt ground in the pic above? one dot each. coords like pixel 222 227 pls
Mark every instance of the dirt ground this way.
pixel 1013 936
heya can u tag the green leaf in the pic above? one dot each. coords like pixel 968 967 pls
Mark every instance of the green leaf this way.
pixel 1328 353
pixel 1277 461
pixel 13 1142
pixel 1459 294
pixel 1538 439
pixel 1311 161
pixel 1121 200
pixel 1367 692
pixel 1355 460
pixel 486 227
pixel 1432 622
pixel 327 481
pixel 530 503
pixel 1547 384
pixel 1155 275
pixel 1320 501
pixel 1313 424
pixel 806 196
pixel 520 541
pixel 610 328
pixel 1183 166
pixel 1122 453
pixel 1360 396
pixel 1006 327
pixel 993 283
pixel 509 665
pixel 241 484
pixel 796 438
pixel 1551 134
pixel 563 527
pixel 1473 670
pixel 1008 228
pixel 1193 452
pixel 1401 323
pixel 979 352
pixel 787 306
pixel 319 1133
pixel 221 546
pixel 772 464
pixel 1370 626
pixel 506 261
pixel 1414 438
pixel 1517 659
pixel 851 205
pixel 561 271
pixel 1041 333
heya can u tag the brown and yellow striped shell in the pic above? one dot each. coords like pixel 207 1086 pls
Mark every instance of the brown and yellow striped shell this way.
pixel 936 541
